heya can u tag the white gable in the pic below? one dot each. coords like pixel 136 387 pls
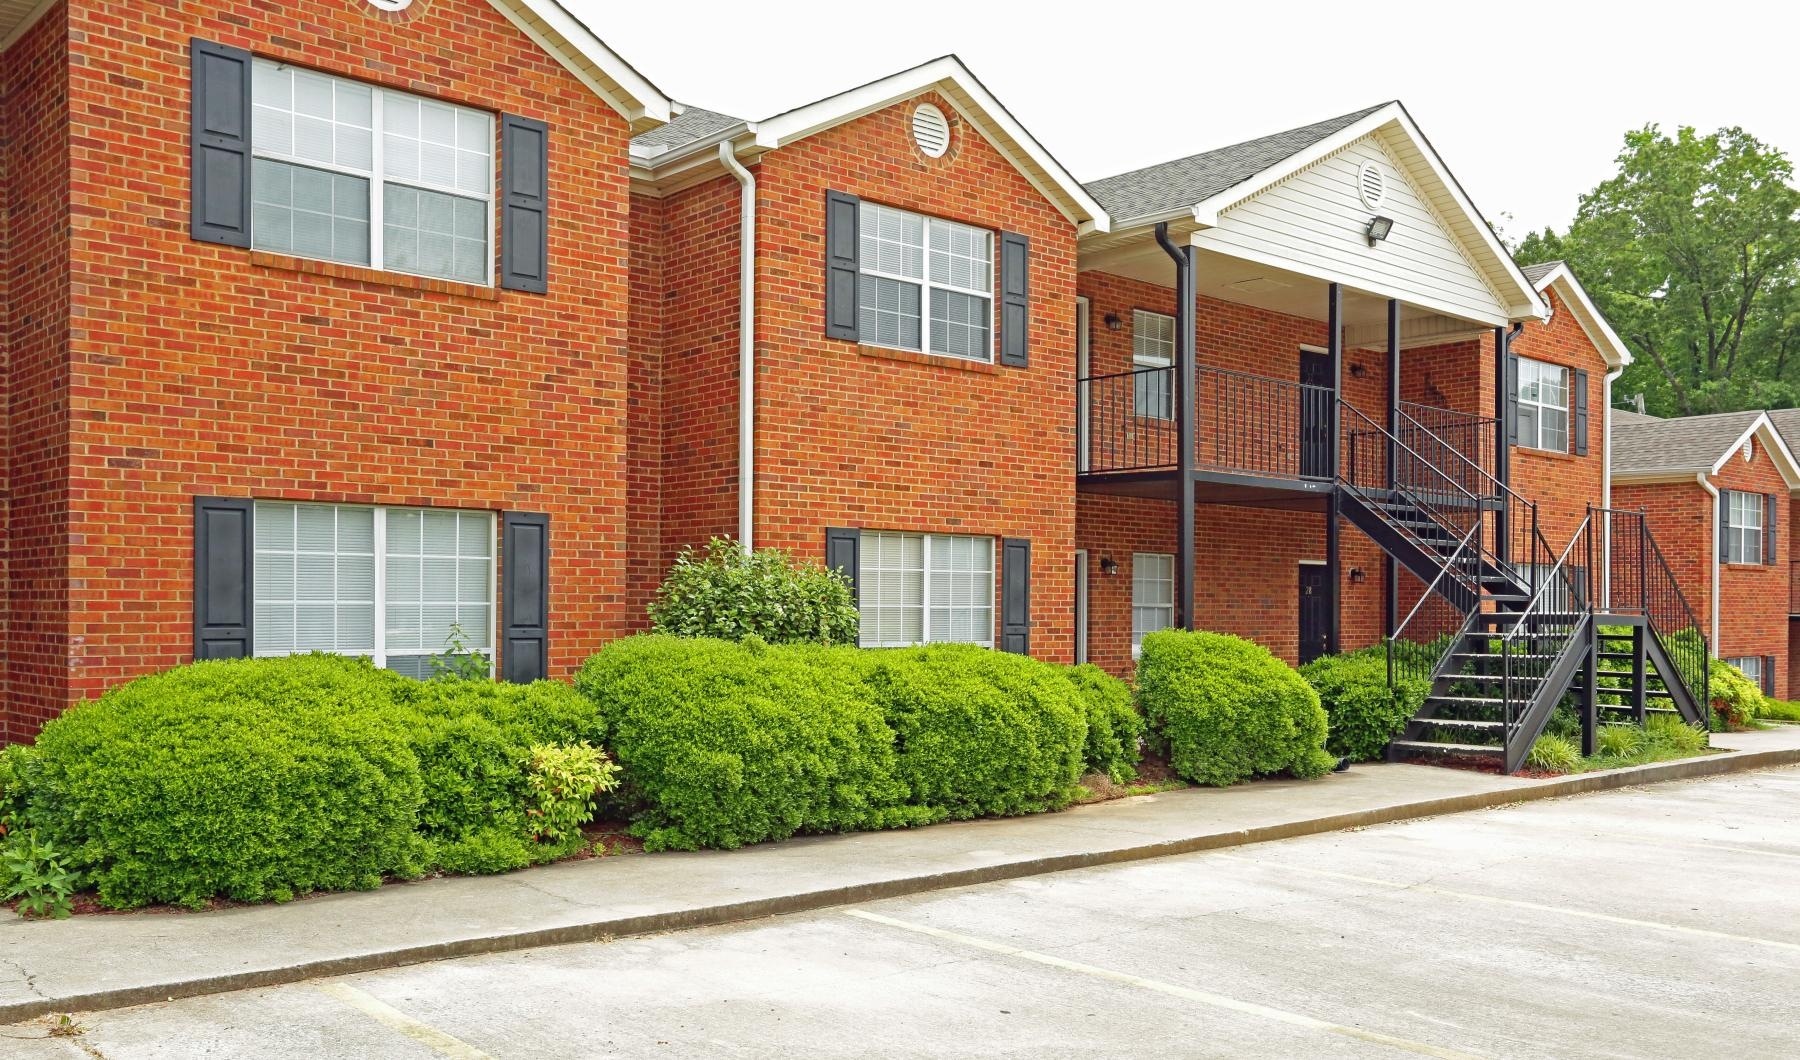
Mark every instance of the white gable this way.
pixel 1314 221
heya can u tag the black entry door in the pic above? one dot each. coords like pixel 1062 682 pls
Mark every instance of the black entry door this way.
pixel 1315 415
pixel 1315 612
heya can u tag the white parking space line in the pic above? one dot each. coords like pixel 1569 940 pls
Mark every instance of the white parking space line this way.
pixel 423 1033
pixel 1517 903
pixel 1294 1019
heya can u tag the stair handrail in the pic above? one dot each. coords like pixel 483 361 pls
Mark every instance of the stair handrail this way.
pixel 1535 608
pixel 1669 588
pixel 1430 593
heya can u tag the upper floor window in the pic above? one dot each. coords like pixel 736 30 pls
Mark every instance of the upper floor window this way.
pixel 925 284
pixel 1153 346
pixel 1743 527
pixel 345 171
pixel 1543 405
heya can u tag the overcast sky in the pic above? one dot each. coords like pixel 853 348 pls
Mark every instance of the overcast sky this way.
pixel 1526 102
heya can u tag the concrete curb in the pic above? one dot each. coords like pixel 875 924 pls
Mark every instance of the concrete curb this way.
pixel 711 916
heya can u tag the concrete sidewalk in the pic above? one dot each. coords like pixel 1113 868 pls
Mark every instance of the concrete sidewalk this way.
pixel 96 962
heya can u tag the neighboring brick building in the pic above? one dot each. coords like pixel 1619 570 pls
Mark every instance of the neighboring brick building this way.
pixel 1717 491
pixel 370 326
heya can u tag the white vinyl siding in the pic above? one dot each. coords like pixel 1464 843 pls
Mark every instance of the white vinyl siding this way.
pixel 925 284
pixel 1743 527
pixel 925 588
pixel 394 584
pixel 1152 596
pixel 1543 406
pixel 348 172
pixel 1153 346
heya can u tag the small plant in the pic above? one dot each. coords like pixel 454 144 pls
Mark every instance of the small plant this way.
pixel 1554 754
pixel 35 873
pixel 1619 741
pixel 725 592
pixel 561 782
pixel 459 662
pixel 1736 699
pixel 1673 735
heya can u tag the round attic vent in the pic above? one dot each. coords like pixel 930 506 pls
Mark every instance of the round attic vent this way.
pixel 1371 184
pixel 931 130
pixel 391 5
pixel 1750 450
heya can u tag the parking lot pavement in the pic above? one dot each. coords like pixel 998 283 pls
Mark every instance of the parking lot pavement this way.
pixel 1661 921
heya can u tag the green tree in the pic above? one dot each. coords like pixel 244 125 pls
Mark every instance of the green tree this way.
pixel 1692 251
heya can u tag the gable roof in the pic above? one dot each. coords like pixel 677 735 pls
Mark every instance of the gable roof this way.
pixel 555 29
pixel 1557 274
pixel 1646 448
pixel 698 130
pixel 1169 187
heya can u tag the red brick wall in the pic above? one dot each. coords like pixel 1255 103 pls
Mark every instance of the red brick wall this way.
pixel 1563 484
pixel 199 369
pixel 34 82
pixel 644 389
pixel 852 435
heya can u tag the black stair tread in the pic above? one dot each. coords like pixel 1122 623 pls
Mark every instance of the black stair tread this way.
pixel 1464 700
pixel 1448 748
pixel 1457 723
pixel 1494 654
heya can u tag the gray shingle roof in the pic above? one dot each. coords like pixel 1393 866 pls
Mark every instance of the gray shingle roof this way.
pixel 1172 186
pixel 1647 445
pixel 1787 424
pixel 1537 272
pixel 690 126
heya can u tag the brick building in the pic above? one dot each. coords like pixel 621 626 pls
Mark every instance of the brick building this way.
pixel 379 326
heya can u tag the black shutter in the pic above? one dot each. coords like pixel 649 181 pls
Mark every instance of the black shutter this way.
pixel 525 204
pixel 1769 528
pixel 1768 675
pixel 841 243
pixel 224 590
pixel 525 596
pixel 1724 525
pixel 1580 399
pixel 1512 399
pixel 220 133
pixel 842 552
pixel 1015 299
pixel 1015 596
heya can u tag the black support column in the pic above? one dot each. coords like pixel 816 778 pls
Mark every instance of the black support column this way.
pixel 1185 428
pixel 1390 590
pixel 1502 446
pixel 1334 345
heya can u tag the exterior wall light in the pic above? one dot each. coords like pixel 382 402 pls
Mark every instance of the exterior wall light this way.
pixel 1113 323
pixel 1108 567
pixel 1379 227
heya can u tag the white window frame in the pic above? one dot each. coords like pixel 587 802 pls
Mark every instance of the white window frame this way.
pixel 375 175
pixel 925 605
pixel 1750 666
pixel 1138 566
pixel 1739 506
pixel 1540 405
pixel 1141 359
pixel 380 654
pixel 926 285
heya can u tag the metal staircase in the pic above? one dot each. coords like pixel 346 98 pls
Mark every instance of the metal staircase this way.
pixel 1504 629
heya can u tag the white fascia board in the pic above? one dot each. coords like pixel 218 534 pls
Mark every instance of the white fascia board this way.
pixel 630 93
pixel 1772 443
pixel 1599 332
pixel 1529 305
pixel 992 119
pixel 1663 476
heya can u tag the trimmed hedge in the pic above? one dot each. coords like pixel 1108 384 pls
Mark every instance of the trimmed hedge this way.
pixel 1363 713
pixel 1228 710
pixel 264 778
pixel 723 591
pixel 730 743
pixel 1115 728
pixel 1736 700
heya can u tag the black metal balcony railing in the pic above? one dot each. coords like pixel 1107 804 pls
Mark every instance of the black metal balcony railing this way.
pixel 1427 427
pixel 1244 423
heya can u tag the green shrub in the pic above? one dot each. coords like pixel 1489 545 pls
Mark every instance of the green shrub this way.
pixel 1618 741
pixel 1115 729
pixel 728 744
pixel 1228 710
pixel 562 781
pixel 1673 736
pixel 1554 754
pixel 978 731
pixel 1779 710
pixel 725 593
pixel 34 872
pixel 1363 712
pixel 1735 698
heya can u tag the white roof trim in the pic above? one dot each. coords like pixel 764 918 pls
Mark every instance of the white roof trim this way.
pixel 972 101
pixel 586 56
pixel 1764 427
pixel 1499 267
pixel 1599 332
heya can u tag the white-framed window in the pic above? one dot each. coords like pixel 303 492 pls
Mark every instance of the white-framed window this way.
pixel 1153 346
pixel 1743 527
pixel 1543 405
pixel 1752 667
pixel 925 588
pixel 348 172
pixel 925 284
pixel 398 585
pixel 1152 595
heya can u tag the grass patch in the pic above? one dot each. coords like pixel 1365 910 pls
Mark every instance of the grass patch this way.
pixel 1780 710
pixel 1662 740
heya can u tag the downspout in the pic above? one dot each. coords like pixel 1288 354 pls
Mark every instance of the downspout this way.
pixel 1185 309
pixel 746 343
pixel 1606 481
pixel 1712 490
